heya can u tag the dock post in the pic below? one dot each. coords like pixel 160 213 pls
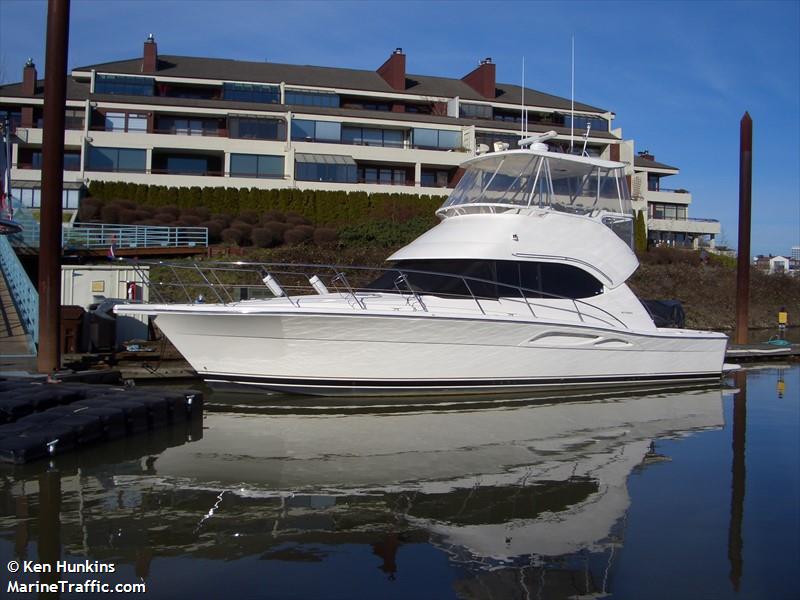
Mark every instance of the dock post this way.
pixel 743 255
pixel 55 93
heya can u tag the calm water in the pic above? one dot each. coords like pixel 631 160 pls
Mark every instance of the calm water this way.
pixel 684 494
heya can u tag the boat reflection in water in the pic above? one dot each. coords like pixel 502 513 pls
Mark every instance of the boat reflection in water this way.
pixel 513 493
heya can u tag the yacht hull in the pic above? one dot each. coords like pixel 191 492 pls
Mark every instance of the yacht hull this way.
pixel 363 353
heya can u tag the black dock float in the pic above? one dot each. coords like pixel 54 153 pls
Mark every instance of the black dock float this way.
pixel 40 419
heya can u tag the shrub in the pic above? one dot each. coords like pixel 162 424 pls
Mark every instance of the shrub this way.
pixel 164 218
pixel 109 213
pixel 190 220
pixel 294 219
pixel 298 234
pixel 196 211
pixel 172 210
pixel 214 231
pixel 231 236
pixel 277 227
pixel 249 216
pixel 128 216
pixel 324 236
pixel 264 237
pixel 273 216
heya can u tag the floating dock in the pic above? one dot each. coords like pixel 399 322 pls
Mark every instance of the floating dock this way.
pixel 762 351
pixel 41 419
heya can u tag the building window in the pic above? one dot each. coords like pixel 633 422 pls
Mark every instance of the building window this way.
pixel 657 210
pixel 189 165
pixel 653 182
pixel 475 111
pixel 14 118
pixel 316 131
pixel 581 121
pixel 490 137
pixel 383 175
pixel 247 92
pixel 32 197
pixel 73 118
pixel 32 159
pixel 436 139
pixel 304 98
pixel 359 103
pixel 367 136
pixel 120 121
pixel 117 159
pixel 320 167
pixel 256 165
pixel 509 116
pixel 254 128
pixel 434 178
pixel 124 85
pixel 187 126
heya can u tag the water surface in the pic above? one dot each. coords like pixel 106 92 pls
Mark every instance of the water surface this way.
pixel 661 494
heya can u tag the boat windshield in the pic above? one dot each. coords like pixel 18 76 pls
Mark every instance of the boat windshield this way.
pixel 521 179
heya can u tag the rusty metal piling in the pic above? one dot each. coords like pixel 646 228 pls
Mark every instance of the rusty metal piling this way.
pixel 55 93
pixel 743 257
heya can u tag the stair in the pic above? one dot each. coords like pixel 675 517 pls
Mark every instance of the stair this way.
pixel 13 340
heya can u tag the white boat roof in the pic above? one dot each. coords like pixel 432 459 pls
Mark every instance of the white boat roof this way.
pixel 576 158
pixel 539 235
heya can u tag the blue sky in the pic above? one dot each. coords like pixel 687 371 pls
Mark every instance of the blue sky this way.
pixel 678 75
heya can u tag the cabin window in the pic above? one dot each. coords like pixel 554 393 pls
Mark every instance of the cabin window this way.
pixel 491 279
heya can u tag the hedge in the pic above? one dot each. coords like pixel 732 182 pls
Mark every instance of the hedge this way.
pixel 330 208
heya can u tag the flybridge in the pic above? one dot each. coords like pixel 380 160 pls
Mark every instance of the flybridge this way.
pixel 536 178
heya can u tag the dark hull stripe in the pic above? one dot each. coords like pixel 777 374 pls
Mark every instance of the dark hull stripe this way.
pixel 456 383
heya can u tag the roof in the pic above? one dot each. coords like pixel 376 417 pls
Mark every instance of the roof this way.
pixel 307 75
pixel 646 163
pixel 76 90
pixel 79 90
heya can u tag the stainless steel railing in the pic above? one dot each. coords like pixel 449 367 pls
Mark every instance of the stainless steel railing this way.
pixel 229 282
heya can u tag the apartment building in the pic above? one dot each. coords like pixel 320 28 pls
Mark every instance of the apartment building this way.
pixel 187 121
pixel 666 209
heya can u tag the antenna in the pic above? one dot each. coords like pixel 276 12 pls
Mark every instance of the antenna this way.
pixel 522 125
pixel 572 101
pixel 586 139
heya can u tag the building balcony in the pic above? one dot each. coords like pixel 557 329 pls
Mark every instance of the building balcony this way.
pixel 666 196
pixel 688 226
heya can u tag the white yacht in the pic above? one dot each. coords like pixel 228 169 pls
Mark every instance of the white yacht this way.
pixel 521 286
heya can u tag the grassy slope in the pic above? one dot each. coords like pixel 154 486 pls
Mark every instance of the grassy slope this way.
pixel 708 290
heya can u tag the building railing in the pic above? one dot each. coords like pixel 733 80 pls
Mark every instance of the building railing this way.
pixel 98 236
pixel 23 293
pixel 93 236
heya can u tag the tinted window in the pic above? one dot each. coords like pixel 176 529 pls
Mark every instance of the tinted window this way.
pixel 499 279
pixel 125 85
pixel 245 92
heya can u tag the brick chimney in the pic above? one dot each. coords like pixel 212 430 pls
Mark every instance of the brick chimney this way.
pixel 29 78
pixel 394 70
pixel 645 154
pixel 150 60
pixel 482 79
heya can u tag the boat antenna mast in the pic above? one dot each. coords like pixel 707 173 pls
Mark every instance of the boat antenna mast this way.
pixel 572 101
pixel 586 139
pixel 523 122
